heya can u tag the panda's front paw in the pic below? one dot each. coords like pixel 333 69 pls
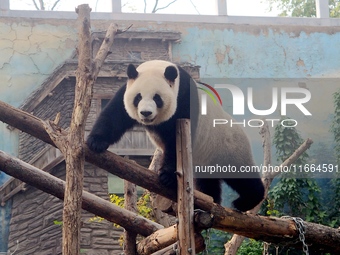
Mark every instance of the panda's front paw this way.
pixel 167 177
pixel 97 143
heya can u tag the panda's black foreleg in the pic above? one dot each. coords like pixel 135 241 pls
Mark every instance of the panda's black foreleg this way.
pixel 111 124
pixel 250 190
pixel 167 173
pixel 211 187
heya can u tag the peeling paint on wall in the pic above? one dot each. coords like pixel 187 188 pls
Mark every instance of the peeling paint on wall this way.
pixel 260 53
pixel 29 53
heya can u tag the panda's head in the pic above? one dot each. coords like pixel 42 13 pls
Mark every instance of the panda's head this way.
pixel 151 92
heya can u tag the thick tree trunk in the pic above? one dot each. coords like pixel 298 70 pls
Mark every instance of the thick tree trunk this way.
pixel 72 144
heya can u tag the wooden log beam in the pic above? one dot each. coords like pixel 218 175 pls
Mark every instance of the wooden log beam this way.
pixel 261 228
pixel 171 249
pixel 164 238
pixel 96 205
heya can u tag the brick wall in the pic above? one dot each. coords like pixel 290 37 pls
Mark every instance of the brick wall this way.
pixel 59 100
pixel 34 212
pixel 137 49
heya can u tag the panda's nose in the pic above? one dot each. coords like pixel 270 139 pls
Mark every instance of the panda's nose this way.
pixel 146 113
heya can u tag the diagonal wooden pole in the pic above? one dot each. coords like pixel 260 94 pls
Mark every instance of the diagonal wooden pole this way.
pixel 92 203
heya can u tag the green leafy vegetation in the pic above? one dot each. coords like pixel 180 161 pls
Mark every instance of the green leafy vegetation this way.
pixel 302 8
pixel 335 128
pixel 143 206
pixel 294 196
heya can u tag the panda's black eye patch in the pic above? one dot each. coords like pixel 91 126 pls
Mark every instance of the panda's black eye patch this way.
pixel 137 99
pixel 158 100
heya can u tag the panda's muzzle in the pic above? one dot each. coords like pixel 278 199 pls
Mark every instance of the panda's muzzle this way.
pixel 146 117
pixel 146 113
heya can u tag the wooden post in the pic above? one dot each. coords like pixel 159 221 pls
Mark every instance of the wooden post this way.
pixel 130 197
pixel 73 149
pixel 72 144
pixel 185 190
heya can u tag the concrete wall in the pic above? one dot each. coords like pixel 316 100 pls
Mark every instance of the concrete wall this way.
pixel 287 48
pixel 30 51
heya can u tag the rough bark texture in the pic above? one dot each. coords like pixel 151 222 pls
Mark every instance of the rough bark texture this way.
pixel 185 189
pixel 272 230
pixel 130 197
pixel 161 205
pixel 94 204
pixel 72 145
pixel 166 239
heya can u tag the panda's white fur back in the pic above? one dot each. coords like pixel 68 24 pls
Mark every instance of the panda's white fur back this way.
pixel 230 144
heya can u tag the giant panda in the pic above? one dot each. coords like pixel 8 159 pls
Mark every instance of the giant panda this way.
pixel 156 94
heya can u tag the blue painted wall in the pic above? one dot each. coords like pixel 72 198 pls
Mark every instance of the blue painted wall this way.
pixel 30 51
pixel 261 52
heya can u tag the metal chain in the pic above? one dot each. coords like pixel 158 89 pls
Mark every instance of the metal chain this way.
pixel 207 242
pixel 302 230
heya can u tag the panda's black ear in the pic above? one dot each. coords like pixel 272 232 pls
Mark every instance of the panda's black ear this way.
pixel 132 72
pixel 170 73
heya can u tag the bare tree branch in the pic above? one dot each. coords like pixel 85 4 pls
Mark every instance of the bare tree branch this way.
pixel 155 9
pixel 35 4
pixel 144 6
pixel 192 3
pixel 55 4
pixel 155 6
